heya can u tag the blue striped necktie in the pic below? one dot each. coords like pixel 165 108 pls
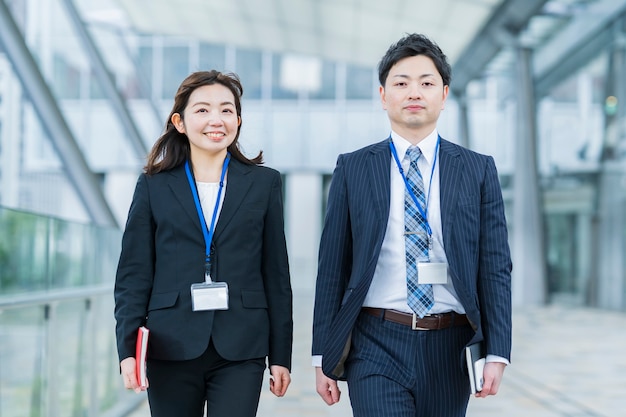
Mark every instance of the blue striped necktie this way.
pixel 419 296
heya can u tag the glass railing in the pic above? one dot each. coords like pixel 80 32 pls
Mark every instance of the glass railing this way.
pixel 40 253
pixel 57 339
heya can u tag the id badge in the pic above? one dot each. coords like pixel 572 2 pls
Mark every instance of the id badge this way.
pixel 432 273
pixel 209 296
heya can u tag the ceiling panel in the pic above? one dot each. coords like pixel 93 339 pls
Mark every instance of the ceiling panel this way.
pixel 218 7
pixel 296 15
pixel 463 18
pixel 357 31
pixel 262 10
pixel 337 19
pixel 268 34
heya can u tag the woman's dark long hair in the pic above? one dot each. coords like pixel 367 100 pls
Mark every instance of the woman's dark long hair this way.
pixel 172 148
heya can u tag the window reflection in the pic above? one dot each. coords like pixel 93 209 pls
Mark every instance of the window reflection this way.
pixel 359 82
pixel 249 67
pixel 175 69
pixel 212 57
pixel 328 84
pixel 278 91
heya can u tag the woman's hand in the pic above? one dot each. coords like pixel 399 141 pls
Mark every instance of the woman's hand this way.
pixel 129 375
pixel 279 380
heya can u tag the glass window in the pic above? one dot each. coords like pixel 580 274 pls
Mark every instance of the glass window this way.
pixel 66 79
pixel 212 57
pixel 359 82
pixel 175 69
pixel 95 89
pixel 278 89
pixel 327 87
pixel 249 66
pixel 144 58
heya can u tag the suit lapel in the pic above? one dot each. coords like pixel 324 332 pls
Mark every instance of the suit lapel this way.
pixel 449 174
pixel 237 186
pixel 375 190
pixel 179 185
pixel 379 178
pixel 238 183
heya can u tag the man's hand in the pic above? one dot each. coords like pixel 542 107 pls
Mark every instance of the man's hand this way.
pixel 280 380
pixel 492 376
pixel 127 366
pixel 326 387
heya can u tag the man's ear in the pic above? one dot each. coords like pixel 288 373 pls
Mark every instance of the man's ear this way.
pixel 446 90
pixel 178 123
pixel 381 90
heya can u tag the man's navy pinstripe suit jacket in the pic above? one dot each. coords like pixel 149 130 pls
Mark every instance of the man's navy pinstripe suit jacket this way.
pixel 474 235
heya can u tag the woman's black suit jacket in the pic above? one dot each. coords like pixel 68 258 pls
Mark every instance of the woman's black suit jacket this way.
pixel 163 253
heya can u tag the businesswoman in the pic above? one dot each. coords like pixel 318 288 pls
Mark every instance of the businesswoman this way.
pixel 204 263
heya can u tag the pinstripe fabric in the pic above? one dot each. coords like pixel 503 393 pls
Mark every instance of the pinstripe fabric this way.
pixel 359 190
pixel 474 235
pixel 476 243
pixel 393 371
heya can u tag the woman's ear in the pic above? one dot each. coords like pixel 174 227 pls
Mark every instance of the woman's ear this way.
pixel 178 123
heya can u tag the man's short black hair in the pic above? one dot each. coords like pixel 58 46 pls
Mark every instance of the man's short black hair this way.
pixel 412 45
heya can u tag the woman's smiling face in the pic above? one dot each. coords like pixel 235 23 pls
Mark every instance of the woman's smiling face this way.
pixel 210 119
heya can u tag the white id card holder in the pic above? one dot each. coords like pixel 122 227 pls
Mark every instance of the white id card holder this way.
pixel 432 273
pixel 209 296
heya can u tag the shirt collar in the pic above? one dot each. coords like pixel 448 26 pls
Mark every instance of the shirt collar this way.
pixel 427 145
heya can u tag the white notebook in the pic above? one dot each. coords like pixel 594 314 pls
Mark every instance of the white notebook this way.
pixel 475 366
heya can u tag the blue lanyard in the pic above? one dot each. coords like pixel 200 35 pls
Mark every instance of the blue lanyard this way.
pixel 423 211
pixel 207 232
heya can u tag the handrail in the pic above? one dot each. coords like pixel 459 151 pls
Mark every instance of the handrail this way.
pixel 52 296
pixel 91 390
pixel 59 298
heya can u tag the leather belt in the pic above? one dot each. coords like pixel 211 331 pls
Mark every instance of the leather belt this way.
pixel 429 322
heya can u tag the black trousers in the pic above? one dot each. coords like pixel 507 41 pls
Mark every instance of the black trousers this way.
pixel 182 388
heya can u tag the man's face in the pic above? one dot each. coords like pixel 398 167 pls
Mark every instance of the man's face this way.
pixel 413 96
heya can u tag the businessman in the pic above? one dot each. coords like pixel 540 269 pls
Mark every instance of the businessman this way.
pixel 414 262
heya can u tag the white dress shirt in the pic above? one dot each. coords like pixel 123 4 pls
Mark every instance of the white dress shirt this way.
pixel 207 194
pixel 388 289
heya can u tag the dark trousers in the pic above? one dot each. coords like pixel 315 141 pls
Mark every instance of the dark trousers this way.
pixel 181 388
pixel 394 371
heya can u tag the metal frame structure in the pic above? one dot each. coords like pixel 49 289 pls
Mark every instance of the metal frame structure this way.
pixel 107 82
pixel 74 163
pixel 507 21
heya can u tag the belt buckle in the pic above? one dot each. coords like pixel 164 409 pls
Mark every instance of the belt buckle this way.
pixel 414 324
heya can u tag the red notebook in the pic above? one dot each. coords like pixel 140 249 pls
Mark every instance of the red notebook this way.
pixel 140 356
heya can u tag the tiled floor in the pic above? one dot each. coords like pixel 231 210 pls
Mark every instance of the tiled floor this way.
pixel 567 362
